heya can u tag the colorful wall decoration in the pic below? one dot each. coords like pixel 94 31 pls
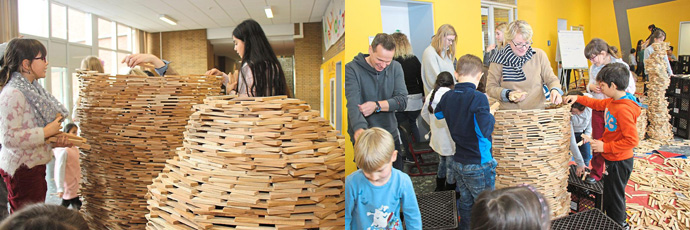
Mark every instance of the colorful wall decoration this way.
pixel 333 22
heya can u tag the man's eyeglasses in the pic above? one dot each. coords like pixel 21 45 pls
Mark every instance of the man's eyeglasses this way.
pixel 41 58
pixel 526 45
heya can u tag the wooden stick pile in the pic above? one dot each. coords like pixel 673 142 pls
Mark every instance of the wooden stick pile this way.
pixel 532 147
pixel 642 124
pixel 252 163
pixel 133 125
pixel 659 125
pixel 668 197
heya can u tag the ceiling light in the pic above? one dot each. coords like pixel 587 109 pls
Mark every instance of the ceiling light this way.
pixel 269 12
pixel 168 19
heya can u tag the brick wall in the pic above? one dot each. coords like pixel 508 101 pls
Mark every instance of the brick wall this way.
pixel 308 59
pixel 188 51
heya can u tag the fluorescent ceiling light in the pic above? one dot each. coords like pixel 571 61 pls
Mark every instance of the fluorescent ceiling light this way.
pixel 269 12
pixel 168 19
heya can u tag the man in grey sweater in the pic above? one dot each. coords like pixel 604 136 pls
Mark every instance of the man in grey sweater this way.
pixel 375 90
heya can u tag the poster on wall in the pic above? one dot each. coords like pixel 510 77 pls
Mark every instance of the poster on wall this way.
pixel 333 22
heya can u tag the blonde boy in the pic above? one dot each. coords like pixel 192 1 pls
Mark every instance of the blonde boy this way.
pixel 375 194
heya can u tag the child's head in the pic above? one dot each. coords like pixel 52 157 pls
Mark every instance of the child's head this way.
pixel 632 51
pixel 576 108
pixel 469 68
pixel 519 207
pixel 444 79
pixel 658 36
pixel 597 51
pixel 613 76
pixel 92 63
pixel 71 128
pixel 44 217
pixel 375 153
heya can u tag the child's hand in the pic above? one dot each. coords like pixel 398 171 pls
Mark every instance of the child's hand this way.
pixel 579 171
pixel 570 99
pixel 594 88
pixel 597 146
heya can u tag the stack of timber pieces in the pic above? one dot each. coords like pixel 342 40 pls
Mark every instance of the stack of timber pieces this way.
pixel 532 147
pixel 252 163
pixel 658 116
pixel 642 124
pixel 133 124
pixel 668 194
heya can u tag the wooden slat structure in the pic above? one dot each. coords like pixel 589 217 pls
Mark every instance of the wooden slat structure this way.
pixel 532 147
pixel 133 125
pixel 252 163
pixel 657 114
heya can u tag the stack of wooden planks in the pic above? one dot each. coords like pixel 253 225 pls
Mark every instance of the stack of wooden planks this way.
pixel 658 116
pixel 133 125
pixel 666 186
pixel 252 163
pixel 532 147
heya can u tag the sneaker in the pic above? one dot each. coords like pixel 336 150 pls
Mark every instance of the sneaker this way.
pixel 625 226
pixel 590 180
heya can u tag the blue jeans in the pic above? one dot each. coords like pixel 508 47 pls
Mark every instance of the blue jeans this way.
pixel 443 166
pixel 471 180
pixel 585 149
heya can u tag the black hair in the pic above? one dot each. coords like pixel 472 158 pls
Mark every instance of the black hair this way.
pixel 670 48
pixel 269 78
pixel 632 51
pixel 18 50
pixel 616 73
pixel 577 105
pixel 43 216
pixel 651 27
pixel 69 127
pixel 386 41
pixel 444 79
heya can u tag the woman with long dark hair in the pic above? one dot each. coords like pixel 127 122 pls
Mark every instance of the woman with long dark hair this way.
pixel 28 116
pixel 260 72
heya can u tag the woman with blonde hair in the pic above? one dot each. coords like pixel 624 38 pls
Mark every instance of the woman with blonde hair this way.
pixel 92 63
pixel 439 56
pixel 518 72
pixel 412 69
pixel 500 42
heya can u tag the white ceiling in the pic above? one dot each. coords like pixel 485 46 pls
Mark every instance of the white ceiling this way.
pixel 201 14
pixel 223 15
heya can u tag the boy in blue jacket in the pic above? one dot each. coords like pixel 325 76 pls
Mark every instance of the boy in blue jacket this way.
pixel 467 113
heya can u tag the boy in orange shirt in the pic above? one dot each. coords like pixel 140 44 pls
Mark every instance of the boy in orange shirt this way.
pixel 619 138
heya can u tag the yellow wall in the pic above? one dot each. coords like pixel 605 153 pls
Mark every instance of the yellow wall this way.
pixel 543 16
pixel 603 18
pixel 666 16
pixel 365 21
pixel 328 68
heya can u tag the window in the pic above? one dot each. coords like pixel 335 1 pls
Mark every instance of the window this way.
pixel 58 21
pixel 57 84
pixel 121 67
pixel 33 17
pixel 105 34
pixel 494 14
pixel 79 27
pixel 124 37
pixel 109 62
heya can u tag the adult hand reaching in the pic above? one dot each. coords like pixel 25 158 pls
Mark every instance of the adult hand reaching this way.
pixel 139 59
pixel 556 97
pixel 214 72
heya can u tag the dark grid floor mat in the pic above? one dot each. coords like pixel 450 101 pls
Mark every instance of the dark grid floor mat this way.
pixel 587 220
pixel 438 210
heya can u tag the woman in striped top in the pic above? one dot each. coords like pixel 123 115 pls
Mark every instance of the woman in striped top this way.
pixel 518 68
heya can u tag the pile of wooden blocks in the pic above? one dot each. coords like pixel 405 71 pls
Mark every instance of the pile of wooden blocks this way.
pixel 659 125
pixel 133 125
pixel 669 196
pixel 533 147
pixel 252 163
pixel 642 124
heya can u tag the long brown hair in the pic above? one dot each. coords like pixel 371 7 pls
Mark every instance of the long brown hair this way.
pixel 437 42
pixel 519 208
pixel 402 46
pixel 18 50
pixel 596 45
